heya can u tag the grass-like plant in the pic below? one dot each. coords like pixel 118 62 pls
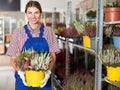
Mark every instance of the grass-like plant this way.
pixel 79 81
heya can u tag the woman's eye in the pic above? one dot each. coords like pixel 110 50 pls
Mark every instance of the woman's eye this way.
pixel 37 12
pixel 29 12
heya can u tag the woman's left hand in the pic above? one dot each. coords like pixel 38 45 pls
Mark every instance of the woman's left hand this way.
pixel 47 76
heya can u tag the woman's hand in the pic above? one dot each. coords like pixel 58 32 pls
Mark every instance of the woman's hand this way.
pixel 45 80
pixel 22 76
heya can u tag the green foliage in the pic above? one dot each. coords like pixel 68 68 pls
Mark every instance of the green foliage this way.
pixel 91 14
pixel 111 3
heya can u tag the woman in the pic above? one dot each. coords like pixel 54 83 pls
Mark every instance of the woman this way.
pixel 32 35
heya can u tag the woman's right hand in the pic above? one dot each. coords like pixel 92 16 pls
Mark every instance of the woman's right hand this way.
pixel 22 76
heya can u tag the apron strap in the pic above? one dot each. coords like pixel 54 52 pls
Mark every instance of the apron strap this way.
pixel 41 30
pixel 27 31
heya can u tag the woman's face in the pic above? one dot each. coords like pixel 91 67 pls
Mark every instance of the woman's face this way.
pixel 33 15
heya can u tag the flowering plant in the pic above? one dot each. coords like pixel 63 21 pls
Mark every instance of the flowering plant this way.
pixel 112 30
pixel 116 31
pixel 90 29
pixel 85 28
pixel 33 60
pixel 110 57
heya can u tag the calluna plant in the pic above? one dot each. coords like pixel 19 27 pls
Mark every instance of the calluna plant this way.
pixel 111 3
pixel 77 81
pixel 90 29
pixel 80 26
pixel 116 31
pixel 110 57
pixel 33 60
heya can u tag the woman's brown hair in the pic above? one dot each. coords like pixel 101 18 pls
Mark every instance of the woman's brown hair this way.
pixel 33 4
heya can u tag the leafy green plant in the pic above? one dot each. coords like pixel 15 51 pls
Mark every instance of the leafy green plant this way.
pixel 91 14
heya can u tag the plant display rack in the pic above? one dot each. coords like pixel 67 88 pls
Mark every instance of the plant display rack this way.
pixel 68 41
pixel 99 45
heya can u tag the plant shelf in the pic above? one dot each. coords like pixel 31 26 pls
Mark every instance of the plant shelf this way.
pixel 117 84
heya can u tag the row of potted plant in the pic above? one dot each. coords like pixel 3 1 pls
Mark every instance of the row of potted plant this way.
pixel 89 29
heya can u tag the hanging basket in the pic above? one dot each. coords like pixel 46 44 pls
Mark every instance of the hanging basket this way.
pixel 113 73
pixel 112 14
pixel 33 78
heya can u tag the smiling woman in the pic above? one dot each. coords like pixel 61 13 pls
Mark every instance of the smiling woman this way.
pixel 33 35
pixel 9 5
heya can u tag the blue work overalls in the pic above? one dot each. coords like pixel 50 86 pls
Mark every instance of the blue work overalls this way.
pixel 39 44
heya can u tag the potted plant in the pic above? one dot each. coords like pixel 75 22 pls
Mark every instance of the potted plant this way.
pixel 80 26
pixel 91 15
pixel 33 64
pixel 113 31
pixel 89 35
pixel 90 29
pixel 110 58
pixel 116 36
pixel 111 6
pixel 70 32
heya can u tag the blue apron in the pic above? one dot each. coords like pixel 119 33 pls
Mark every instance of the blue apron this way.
pixel 39 44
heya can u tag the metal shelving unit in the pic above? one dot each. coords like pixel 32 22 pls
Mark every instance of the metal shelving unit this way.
pixel 99 43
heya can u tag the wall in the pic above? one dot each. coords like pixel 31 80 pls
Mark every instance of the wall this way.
pixel 48 5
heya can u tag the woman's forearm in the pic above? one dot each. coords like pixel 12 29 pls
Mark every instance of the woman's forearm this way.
pixel 13 63
pixel 52 63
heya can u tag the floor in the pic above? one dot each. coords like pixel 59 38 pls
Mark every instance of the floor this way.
pixel 6 74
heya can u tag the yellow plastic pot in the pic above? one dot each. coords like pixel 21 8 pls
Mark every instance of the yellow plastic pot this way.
pixel 113 73
pixel 33 78
pixel 86 41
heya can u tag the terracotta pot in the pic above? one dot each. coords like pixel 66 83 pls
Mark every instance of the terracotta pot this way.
pixel 112 14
